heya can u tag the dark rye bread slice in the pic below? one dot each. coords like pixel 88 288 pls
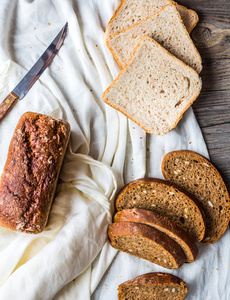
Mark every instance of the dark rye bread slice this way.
pixel 164 198
pixel 153 286
pixel 195 174
pixel 147 243
pixel 163 224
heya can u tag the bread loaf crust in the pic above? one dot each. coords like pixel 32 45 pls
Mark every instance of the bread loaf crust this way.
pixel 31 172
pixel 163 224
pixel 210 207
pixel 146 232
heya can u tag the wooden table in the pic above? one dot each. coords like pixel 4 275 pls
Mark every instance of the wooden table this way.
pixel 212 109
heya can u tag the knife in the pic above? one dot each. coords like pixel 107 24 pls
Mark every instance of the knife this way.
pixel 34 73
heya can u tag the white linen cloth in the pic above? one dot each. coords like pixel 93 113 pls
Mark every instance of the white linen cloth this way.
pixel 68 259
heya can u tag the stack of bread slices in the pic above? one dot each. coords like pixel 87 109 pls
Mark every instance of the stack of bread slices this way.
pixel 161 220
pixel 160 64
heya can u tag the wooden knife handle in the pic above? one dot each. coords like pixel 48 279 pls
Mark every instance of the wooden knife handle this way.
pixel 7 104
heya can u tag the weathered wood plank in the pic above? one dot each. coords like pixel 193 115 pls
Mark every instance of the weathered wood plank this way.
pixel 212 109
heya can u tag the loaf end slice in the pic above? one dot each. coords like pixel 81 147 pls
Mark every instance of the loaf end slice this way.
pixel 163 224
pixel 131 12
pixel 197 175
pixel 153 286
pixel 31 172
pixel 163 198
pixel 147 243
pixel 165 27
pixel 154 89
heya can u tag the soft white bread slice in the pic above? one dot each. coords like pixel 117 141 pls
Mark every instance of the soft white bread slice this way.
pixel 154 89
pixel 131 12
pixel 165 27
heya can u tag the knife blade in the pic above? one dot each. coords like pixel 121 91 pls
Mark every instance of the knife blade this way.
pixel 33 74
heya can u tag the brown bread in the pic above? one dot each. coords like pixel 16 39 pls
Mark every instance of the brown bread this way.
pixel 31 172
pixel 146 242
pixel 166 28
pixel 165 199
pixel 153 286
pixel 163 224
pixel 131 12
pixel 197 175
pixel 154 89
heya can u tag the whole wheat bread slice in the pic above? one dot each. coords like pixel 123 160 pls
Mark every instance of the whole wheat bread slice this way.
pixel 165 27
pixel 131 12
pixel 194 173
pixel 153 286
pixel 147 243
pixel 154 89
pixel 163 224
pixel 165 199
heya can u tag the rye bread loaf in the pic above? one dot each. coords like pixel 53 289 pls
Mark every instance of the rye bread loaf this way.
pixel 153 286
pixel 165 27
pixel 163 224
pixel 196 174
pixel 131 12
pixel 147 243
pixel 31 172
pixel 165 199
pixel 154 89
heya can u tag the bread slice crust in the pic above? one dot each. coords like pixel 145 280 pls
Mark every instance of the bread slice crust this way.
pixel 204 182
pixel 151 243
pixel 122 50
pixel 135 195
pixel 127 71
pixel 166 281
pixel 163 224
pixel 186 12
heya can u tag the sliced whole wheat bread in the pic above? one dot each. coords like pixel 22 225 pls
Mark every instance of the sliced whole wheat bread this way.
pixel 165 27
pixel 154 89
pixel 153 286
pixel 164 198
pixel 147 243
pixel 197 175
pixel 163 224
pixel 131 12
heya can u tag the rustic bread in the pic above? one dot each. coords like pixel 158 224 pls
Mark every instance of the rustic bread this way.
pixel 165 27
pixel 196 174
pixel 146 242
pixel 131 12
pixel 31 172
pixel 154 89
pixel 165 199
pixel 163 224
pixel 153 286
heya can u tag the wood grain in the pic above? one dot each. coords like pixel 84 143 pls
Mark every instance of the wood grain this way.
pixel 212 109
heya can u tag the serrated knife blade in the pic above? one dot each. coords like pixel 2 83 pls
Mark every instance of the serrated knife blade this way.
pixel 33 74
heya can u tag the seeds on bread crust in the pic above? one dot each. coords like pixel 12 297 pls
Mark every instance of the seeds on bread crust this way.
pixel 200 178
